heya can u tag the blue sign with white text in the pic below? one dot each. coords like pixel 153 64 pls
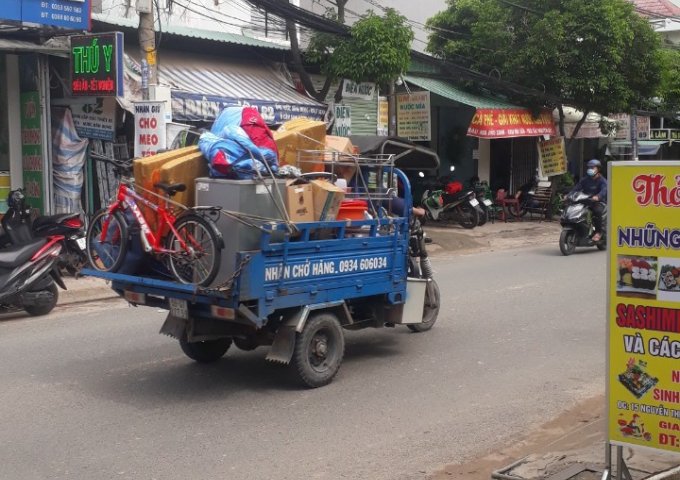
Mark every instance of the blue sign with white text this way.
pixel 70 14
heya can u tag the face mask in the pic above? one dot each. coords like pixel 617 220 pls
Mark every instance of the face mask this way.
pixel 591 172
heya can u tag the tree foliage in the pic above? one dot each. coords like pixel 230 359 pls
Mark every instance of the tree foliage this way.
pixel 596 55
pixel 378 50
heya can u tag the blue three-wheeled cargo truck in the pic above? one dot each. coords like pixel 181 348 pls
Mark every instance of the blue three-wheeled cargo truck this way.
pixel 300 284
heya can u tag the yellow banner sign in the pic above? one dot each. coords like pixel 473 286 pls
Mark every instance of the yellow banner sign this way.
pixel 644 305
pixel 552 157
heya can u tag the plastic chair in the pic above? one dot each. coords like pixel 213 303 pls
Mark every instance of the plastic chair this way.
pixel 504 203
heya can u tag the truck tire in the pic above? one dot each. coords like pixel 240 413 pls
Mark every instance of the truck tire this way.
pixel 319 350
pixel 430 310
pixel 208 351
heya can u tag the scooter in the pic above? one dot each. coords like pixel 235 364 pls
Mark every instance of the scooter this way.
pixel 485 205
pixel 461 207
pixel 19 229
pixel 577 227
pixel 28 276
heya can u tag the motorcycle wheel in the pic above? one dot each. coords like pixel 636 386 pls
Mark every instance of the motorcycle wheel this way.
pixel 469 216
pixel 430 310
pixel 38 310
pixel 483 216
pixel 602 244
pixel 567 242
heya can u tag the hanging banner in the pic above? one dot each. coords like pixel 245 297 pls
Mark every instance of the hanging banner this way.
pixel 150 128
pixel 509 123
pixel 383 117
pixel 343 121
pixel 624 127
pixel 31 149
pixel 552 157
pixel 643 326
pixel 362 90
pixel 413 116
pixel 96 120
pixel 97 65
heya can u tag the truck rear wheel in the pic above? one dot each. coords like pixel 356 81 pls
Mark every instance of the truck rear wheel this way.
pixel 319 350
pixel 208 351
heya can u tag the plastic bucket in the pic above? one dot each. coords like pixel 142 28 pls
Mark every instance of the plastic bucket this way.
pixel 352 210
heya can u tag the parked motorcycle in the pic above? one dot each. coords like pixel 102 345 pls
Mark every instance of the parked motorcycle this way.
pixel 19 229
pixel 461 207
pixel 485 205
pixel 577 227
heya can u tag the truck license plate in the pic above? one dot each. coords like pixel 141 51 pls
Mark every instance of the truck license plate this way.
pixel 179 308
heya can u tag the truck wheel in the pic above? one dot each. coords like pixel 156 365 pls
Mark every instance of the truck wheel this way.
pixel 319 350
pixel 205 352
pixel 430 310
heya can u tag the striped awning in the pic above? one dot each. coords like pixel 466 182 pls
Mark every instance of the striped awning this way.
pixel 202 86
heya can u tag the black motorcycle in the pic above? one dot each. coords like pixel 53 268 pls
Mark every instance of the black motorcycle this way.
pixel 19 228
pixel 420 267
pixel 577 226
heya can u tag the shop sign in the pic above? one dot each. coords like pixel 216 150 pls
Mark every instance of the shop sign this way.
pixel 362 90
pixel 383 117
pixel 96 120
pixel 195 107
pixel 97 65
pixel 32 148
pixel 644 305
pixel 343 121
pixel 150 128
pixel 552 157
pixel 509 123
pixel 413 116
pixel 624 126
pixel 70 14
pixel 664 134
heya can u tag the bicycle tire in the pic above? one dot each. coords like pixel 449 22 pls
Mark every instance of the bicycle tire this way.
pixel 118 246
pixel 183 264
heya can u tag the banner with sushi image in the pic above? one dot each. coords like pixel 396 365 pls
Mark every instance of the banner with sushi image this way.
pixel 643 315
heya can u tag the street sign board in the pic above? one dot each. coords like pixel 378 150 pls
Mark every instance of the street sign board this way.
pixel 70 14
pixel 643 376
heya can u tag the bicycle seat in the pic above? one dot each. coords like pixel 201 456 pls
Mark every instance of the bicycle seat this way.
pixel 172 189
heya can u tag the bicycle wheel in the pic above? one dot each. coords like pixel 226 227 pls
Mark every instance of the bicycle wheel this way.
pixel 107 254
pixel 199 260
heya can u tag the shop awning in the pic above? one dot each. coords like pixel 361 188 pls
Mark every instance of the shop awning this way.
pixel 51 47
pixel 494 117
pixel 623 148
pixel 202 86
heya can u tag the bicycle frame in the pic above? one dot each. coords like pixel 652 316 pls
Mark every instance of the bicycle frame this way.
pixel 128 198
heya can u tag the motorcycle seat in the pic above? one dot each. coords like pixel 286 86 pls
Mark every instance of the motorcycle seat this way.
pixel 14 256
pixel 50 220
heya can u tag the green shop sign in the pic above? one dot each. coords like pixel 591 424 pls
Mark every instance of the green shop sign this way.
pixel 664 134
pixel 97 65
pixel 31 149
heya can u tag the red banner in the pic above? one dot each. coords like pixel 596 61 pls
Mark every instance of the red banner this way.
pixel 508 123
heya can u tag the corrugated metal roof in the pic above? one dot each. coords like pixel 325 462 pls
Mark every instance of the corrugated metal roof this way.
pixel 213 36
pixel 657 8
pixel 9 45
pixel 452 92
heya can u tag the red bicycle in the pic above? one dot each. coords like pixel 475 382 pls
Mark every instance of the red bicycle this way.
pixel 192 245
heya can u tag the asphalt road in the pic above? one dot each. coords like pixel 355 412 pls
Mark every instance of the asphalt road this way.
pixel 96 393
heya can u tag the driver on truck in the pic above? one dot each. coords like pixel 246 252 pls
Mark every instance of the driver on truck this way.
pixel 594 185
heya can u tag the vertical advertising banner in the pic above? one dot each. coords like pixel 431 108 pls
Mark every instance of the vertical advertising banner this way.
pixel 31 149
pixel 552 157
pixel 343 121
pixel 383 117
pixel 150 128
pixel 413 116
pixel 644 305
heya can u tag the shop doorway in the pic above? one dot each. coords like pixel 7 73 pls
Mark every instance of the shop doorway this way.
pixel 500 164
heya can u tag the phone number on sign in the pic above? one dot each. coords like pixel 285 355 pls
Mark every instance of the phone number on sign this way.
pixel 354 265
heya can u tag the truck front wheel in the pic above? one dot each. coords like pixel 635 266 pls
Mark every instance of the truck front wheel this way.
pixel 319 350
pixel 205 352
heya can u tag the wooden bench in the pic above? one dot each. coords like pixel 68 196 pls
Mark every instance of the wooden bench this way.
pixel 540 199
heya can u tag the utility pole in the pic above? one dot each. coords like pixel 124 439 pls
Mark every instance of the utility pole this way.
pixel 147 42
pixel 391 110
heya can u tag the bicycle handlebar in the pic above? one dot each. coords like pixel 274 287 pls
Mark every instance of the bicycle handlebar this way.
pixel 121 167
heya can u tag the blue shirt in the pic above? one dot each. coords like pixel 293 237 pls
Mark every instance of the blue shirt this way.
pixel 592 186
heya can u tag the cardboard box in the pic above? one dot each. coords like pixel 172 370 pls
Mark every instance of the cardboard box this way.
pixel 339 144
pixel 327 200
pixel 300 202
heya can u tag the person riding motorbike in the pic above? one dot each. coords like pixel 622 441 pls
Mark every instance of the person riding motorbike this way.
pixel 595 185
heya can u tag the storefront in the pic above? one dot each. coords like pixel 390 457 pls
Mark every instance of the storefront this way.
pixel 476 135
